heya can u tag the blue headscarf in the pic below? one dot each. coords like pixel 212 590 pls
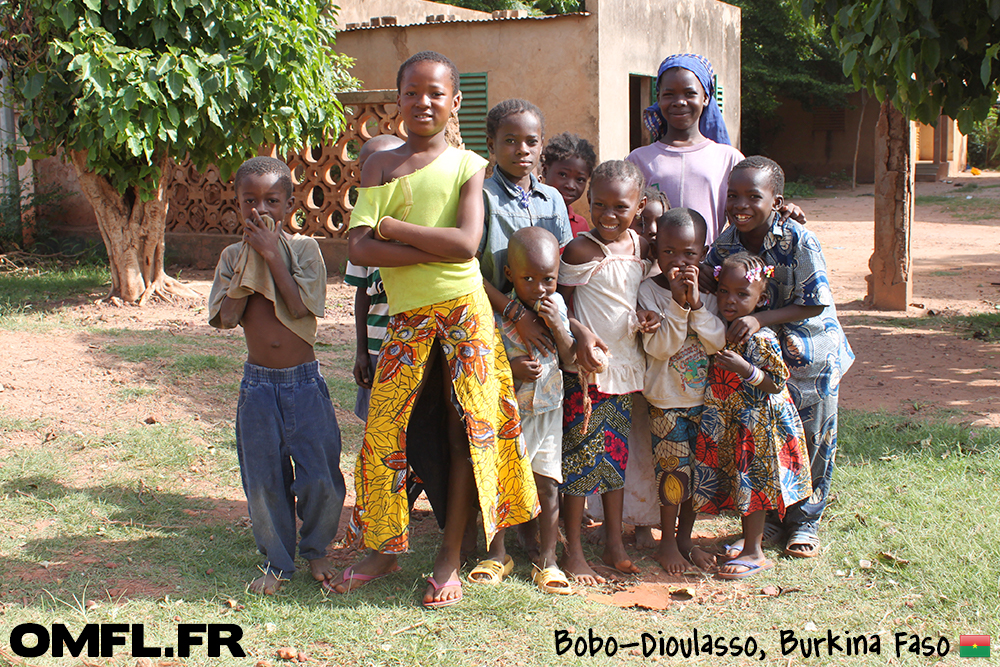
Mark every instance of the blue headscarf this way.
pixel 712 125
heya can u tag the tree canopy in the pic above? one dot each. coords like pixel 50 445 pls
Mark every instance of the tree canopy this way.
pixel 127 80
pixel 122 86
pixel 786 54
pixel 929 57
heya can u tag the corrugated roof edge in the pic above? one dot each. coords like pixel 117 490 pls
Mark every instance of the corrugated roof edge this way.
pixel 489 20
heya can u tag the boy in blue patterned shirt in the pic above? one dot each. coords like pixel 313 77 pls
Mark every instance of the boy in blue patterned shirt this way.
pixel 801 311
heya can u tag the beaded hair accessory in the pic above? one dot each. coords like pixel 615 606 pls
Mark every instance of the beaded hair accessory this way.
pixel 759 272
pixel 753 274
pixel 523 196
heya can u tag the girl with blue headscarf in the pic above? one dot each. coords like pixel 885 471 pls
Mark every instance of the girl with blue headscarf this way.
pixel 691 158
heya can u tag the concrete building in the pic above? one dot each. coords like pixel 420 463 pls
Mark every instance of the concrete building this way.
pixel 821 142
pixel 591 72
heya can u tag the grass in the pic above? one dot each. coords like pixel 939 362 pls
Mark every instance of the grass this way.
pixel 966 207
pixel 76 531
pixel 127 523
pixel 979 326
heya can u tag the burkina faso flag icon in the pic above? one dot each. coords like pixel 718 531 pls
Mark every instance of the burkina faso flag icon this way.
pixel 974 646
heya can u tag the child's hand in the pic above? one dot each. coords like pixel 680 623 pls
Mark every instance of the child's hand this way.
pixel 362 374
pixel 548 311
pixel 689 277
pixel 648 321
pixel 732 362
pixel 677 287
pixel 790 210
pixel 742 328
pixel 533 332
pixel 525 368
pixel 260 238
pixel 586 341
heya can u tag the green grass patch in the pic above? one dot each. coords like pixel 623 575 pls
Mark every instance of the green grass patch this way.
pixel 189 364
pixel 799 191
pixel 966 207
pixel 38 289
pixel 979 326
pixel 140 352
pixel 903 552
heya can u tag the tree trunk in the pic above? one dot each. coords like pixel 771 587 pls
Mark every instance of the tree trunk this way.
pixel 133 233
pixel 857 140
pixel 889 285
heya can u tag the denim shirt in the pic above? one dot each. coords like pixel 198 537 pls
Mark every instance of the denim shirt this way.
pixel 504 215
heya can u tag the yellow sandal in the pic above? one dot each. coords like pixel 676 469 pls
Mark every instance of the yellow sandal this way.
pixel 552 580
pixel 490 571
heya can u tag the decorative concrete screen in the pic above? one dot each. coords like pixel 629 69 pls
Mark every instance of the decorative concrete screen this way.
pixel 323 176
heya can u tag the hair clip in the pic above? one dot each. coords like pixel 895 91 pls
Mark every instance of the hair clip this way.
pixel 716 271
pixel 759 273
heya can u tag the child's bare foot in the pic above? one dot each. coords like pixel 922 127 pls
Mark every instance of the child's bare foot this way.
pixel 322 569
pixel 644 537
pixel 579 569
pixel 670 558
pixel 372 566
pixel 267 584
pixel 597 535
pixel 701 559
pixel 615 556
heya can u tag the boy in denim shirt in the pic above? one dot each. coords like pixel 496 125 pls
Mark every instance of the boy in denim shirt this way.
pixel 273 284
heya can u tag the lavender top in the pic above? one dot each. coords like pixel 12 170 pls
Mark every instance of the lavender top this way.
pixel 693 177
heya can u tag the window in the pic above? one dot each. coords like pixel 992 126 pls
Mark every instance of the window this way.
pixel 472 114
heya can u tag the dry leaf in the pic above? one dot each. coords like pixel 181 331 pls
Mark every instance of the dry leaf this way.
pixel 287 653
pixel 892 558
pixel 861 519
pixel 301 657
pixel 770 591
pixel 683 593
pixel 865 564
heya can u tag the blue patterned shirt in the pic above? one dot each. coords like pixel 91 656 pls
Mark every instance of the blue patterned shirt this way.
pixel 815 349
pixel 505 213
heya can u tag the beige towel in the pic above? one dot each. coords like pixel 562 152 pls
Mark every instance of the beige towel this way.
pixel 242 272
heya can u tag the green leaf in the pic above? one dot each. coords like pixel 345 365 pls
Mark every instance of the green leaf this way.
pixel 129 97
pixel 93 5
pixel 924 7
pixel 175 84
pixel 195 86
pixel 985 69
pixel 173 116
pixel 64 10
pixel 849 60
pixel 33 85
pixel 930 52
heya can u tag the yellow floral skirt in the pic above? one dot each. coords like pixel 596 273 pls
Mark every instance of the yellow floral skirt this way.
pixel 483 388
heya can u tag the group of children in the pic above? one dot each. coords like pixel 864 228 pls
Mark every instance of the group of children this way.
pixel 502 340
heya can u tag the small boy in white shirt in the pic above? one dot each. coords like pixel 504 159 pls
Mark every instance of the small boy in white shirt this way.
pixel 676 376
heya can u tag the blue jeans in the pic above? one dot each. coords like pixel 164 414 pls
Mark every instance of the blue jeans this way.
pixel 288 443
pixel 819 421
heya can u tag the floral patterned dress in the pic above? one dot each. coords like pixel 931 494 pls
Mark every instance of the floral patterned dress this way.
pixel 751 451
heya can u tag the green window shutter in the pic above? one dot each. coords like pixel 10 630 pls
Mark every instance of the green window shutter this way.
pixel 472 115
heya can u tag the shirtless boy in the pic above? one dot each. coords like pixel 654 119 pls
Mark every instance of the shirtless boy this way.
pixel 273 284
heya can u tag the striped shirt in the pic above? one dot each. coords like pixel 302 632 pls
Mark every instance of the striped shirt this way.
pixel 378 310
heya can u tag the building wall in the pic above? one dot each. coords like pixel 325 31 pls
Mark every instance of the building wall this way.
pixel 405 11
pixel 636 35
pixel 803 150
pixel 551 62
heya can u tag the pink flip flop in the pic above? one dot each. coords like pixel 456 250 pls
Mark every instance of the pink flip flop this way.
pixel 437 604
pixel 349 577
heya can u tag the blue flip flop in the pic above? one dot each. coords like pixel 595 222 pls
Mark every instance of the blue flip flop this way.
pixel 752 569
